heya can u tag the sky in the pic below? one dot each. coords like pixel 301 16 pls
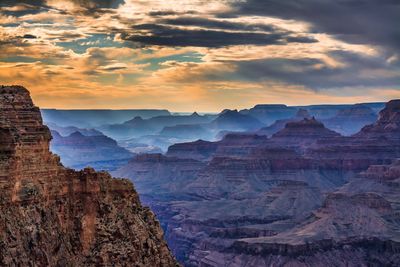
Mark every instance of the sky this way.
pixel 203 55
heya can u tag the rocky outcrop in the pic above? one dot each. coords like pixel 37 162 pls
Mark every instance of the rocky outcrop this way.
pixel 53 216
pixel 388 124
pixel 303 133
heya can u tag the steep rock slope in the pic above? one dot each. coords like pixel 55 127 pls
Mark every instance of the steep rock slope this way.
pixel 53 216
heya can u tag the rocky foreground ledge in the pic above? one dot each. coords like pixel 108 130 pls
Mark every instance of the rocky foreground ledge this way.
pixel 54 216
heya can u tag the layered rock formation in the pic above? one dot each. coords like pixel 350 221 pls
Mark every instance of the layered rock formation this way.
pixel 387 126
pixel 304 197
pixel 53 216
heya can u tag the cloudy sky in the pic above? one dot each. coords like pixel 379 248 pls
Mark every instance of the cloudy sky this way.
pixel 202 55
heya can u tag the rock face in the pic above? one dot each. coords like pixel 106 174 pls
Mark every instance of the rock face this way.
pixel 388 124
pixel 53 216
pixel 307 196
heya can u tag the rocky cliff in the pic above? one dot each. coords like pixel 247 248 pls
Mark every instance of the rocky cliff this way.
pixel 53 216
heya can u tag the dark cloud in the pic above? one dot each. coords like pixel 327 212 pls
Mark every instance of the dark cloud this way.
pixel 170 13
pixel 89 7
pixel 355 21
pixel 169 36
pixel 217 24
pixel 357 70
pixel 29 36
pixel 22 2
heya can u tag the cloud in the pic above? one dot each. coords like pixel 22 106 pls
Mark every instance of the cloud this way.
pixel 355 21
pixel 151 34
pixel 177 53
pixel 355 71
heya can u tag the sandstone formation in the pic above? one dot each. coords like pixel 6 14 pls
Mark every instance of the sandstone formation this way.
pixel 53 216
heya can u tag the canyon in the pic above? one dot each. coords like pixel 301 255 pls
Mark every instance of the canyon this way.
pixel 303 195
pixel 269 186
pixel 55 216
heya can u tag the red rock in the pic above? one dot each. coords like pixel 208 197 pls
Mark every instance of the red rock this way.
pixel 53 216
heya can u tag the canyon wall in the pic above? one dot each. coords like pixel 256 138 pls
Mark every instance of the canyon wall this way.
pixel 54 216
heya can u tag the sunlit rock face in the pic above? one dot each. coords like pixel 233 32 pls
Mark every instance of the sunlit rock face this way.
pixel 53 216
pixel 306 196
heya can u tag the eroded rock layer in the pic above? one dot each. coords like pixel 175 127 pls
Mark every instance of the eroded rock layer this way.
pixel 53 216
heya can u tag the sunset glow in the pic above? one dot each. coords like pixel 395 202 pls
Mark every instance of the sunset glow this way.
pixel 199 55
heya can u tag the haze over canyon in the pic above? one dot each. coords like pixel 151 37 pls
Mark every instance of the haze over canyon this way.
pixel 209 133
pixel 273 185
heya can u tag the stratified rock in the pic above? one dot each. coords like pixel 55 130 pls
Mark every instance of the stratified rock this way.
pixel 157 173
pixel 53 216
pixel 388 124
pixel 303 133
